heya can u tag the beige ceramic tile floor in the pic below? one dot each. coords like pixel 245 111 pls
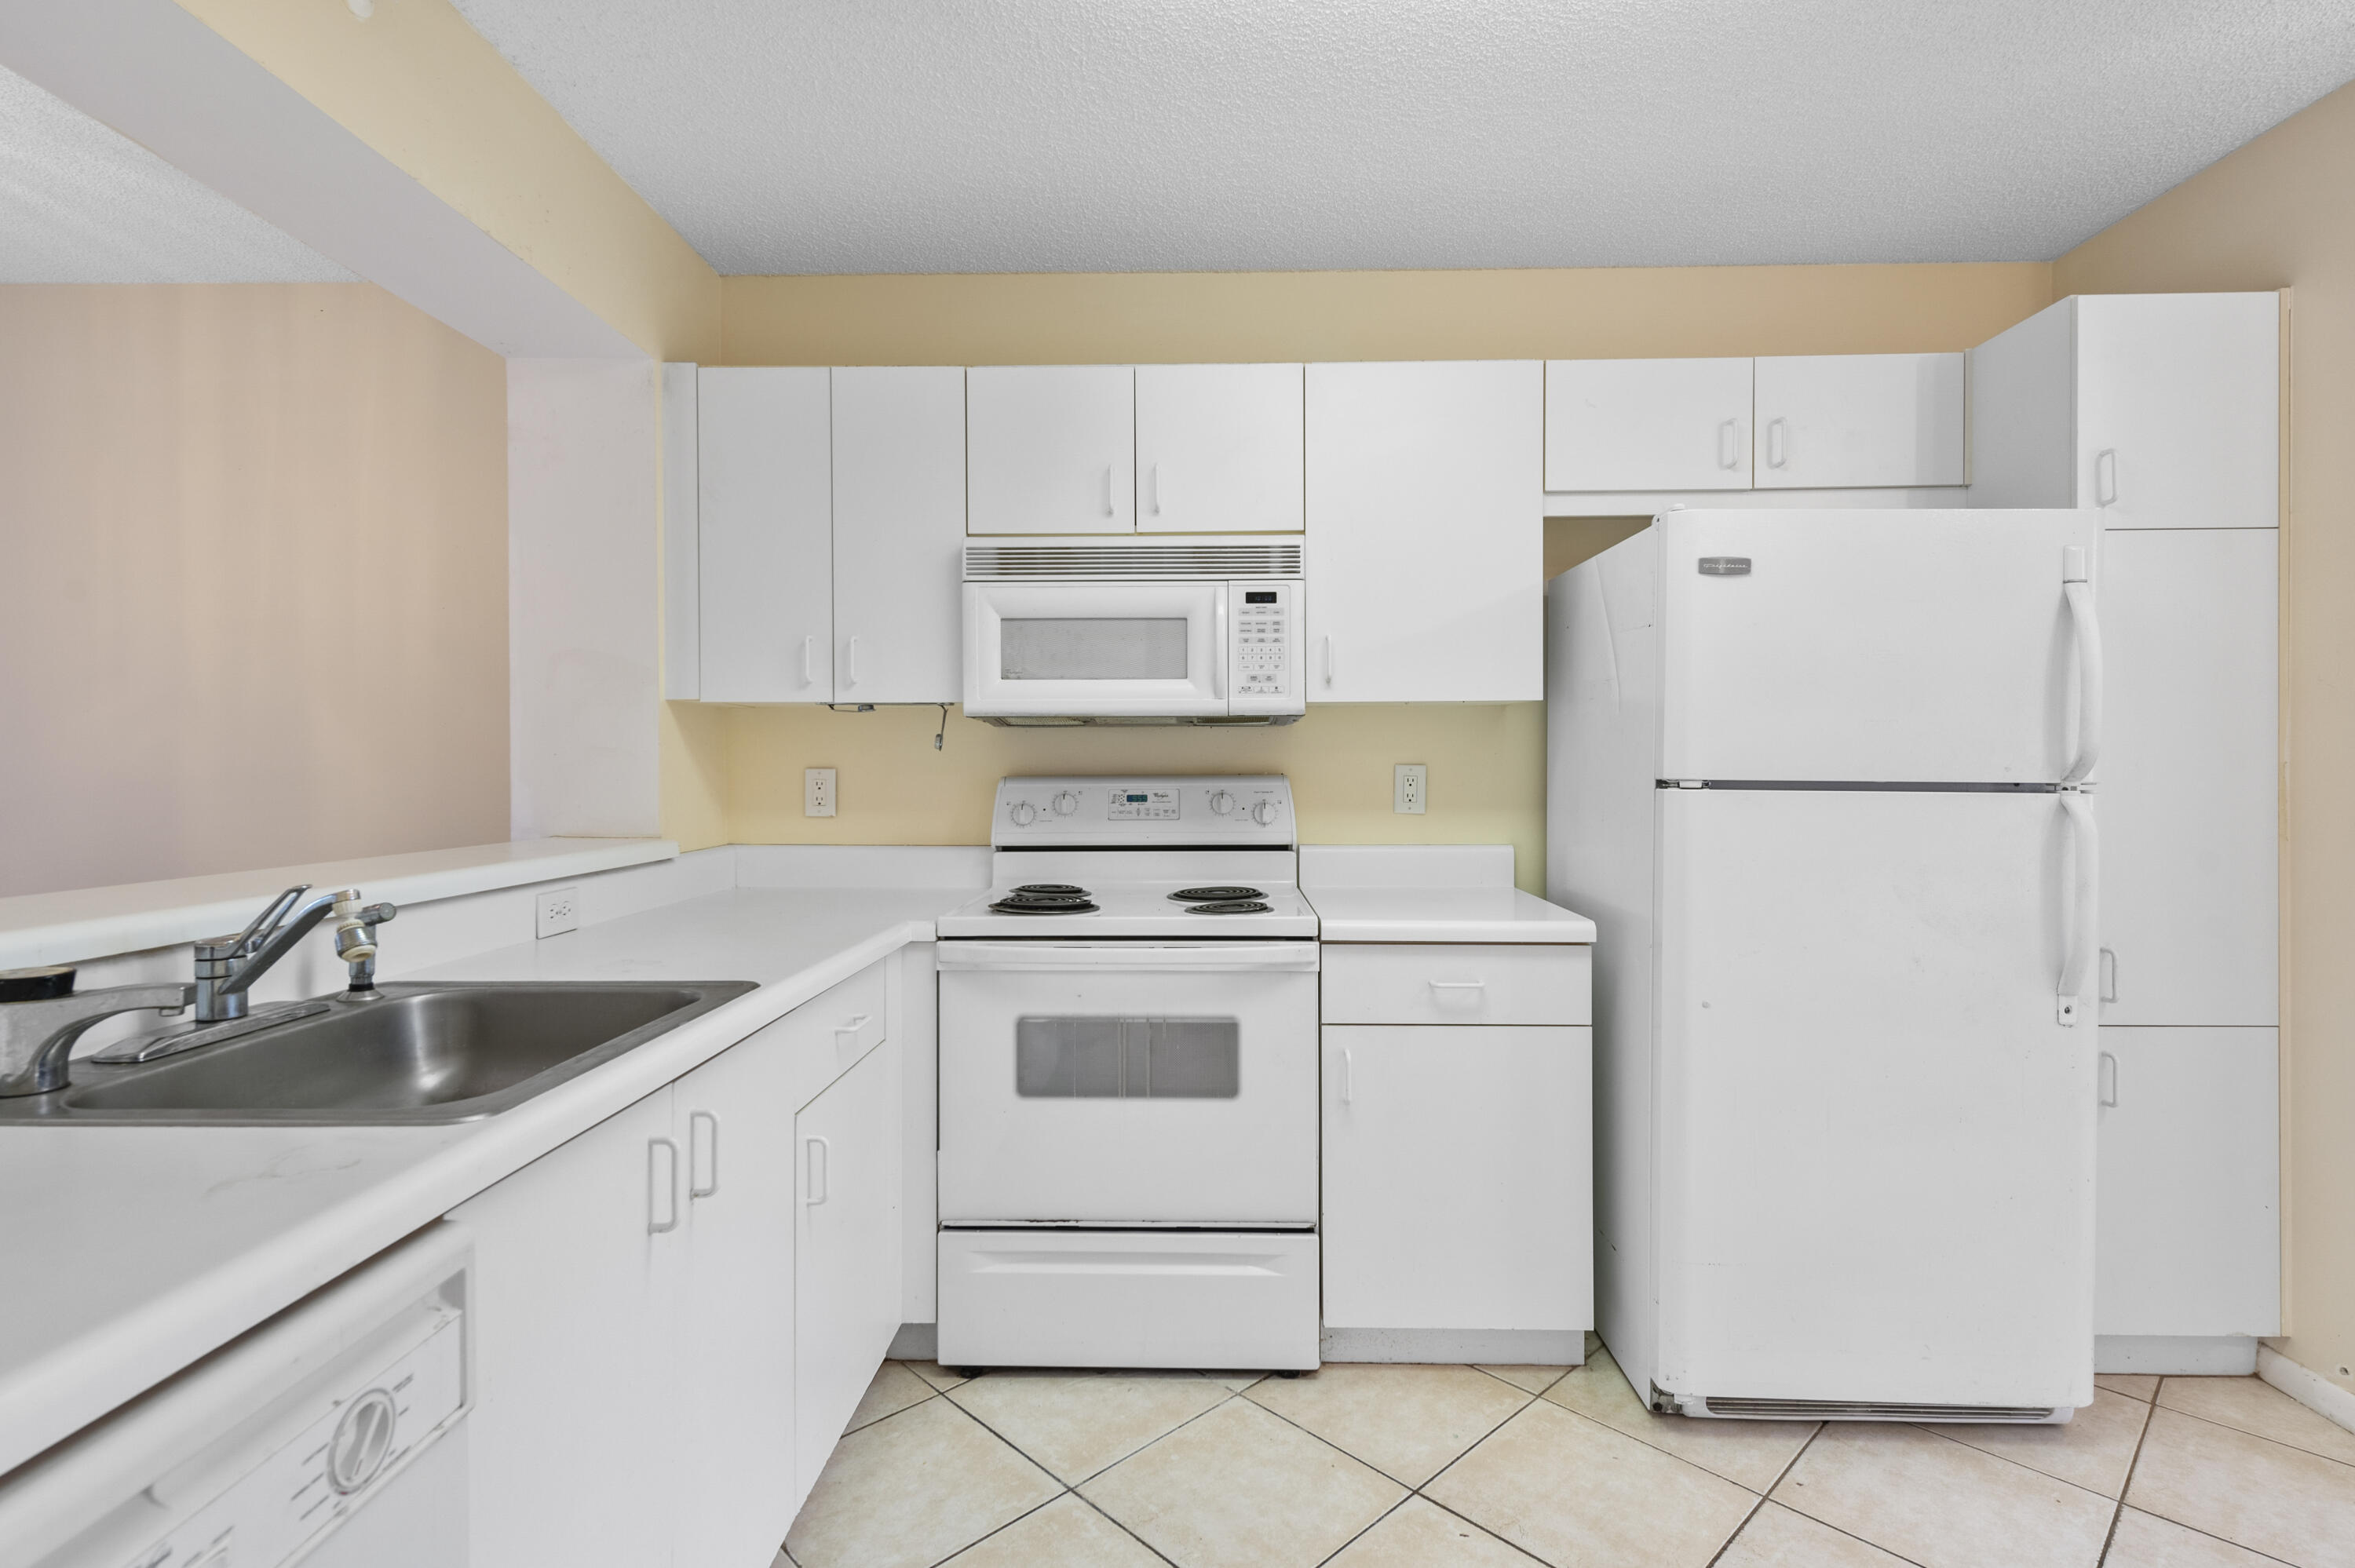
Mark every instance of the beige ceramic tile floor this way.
pixel 1453 1467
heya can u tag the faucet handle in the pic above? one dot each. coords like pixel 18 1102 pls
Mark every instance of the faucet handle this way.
pixel 272 915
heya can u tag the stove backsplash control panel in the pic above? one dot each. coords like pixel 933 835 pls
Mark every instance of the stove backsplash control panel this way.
pixel 1129 811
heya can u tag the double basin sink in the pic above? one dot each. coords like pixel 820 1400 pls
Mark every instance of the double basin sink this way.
pixel 418 1054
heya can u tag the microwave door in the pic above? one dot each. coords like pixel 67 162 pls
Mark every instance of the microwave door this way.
pixel 1095 649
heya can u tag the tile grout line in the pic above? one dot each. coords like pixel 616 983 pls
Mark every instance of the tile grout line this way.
pixel 1009 1524
pixel 1735 1534
pixel 1822 1427
pixel 1484 1529
pixel 2244 1432
pixel 2125 1483
pixel 2015 1464
pixel 1089 1503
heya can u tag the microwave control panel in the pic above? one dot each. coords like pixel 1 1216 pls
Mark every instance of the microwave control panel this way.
pixel 1263 638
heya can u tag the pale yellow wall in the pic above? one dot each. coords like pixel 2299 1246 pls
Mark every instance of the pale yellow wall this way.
pixel 1583 312
pixel 422 87
pixel 1488 764
pixel 2280 213
pixel 253 581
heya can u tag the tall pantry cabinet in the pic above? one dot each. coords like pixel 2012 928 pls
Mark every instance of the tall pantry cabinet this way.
pixel 2162 413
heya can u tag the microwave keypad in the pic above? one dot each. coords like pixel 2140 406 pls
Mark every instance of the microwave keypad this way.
pixel 1260 644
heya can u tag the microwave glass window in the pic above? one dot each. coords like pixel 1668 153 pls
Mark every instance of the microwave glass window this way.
pixel 1127 1058
pixel 1111 648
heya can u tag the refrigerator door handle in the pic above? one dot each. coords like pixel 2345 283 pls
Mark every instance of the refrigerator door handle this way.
pixel 2085 840
pixel 2087 627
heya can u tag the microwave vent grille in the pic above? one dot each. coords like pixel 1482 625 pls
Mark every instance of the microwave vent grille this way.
pixel 987 563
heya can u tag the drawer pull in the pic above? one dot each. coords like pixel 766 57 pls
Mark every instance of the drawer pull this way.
pixel 857 1023
pixel 1459 985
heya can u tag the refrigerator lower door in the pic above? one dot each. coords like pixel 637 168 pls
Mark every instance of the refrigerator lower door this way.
pixel 1875 1141
pixel 1893 646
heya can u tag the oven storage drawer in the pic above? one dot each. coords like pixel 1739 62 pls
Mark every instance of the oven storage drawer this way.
pixel 1448 983
pixel 1128 1298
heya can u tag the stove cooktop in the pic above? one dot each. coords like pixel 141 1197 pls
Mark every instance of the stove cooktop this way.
pixel 1134 909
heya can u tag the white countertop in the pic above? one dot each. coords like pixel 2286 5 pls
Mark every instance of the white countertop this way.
pixel 93 922
pixel 127 1253
pixel 1444 914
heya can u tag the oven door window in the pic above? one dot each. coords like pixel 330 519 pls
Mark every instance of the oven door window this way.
pixel 1127 1058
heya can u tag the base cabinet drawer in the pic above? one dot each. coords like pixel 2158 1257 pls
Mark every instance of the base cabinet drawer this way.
pixel 1128 1298
pixel 1456 982
pixel 1458 1178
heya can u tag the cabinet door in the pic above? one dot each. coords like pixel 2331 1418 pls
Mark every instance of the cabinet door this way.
pixel 1050 448
pixel 765 536
pixel 571 1442
pixel 2189 784
pixel 2187 1211
pixel 2178 409
pixel 736 1429
pixel 1457 1166
pixel 846 1251
pixel 899 524
pixel 1647 424
pixel 1426 542
pixel 1840 420
pixel 1218 448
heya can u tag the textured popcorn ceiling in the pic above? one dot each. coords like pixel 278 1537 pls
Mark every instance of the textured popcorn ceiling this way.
pixel 1018 135
pixel 81 204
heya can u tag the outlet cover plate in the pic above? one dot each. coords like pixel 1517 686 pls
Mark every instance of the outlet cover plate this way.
pixel 557 910
pixel 817 792
pixel 1409 789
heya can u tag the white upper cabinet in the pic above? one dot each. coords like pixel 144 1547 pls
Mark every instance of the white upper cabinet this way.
pixel 1218 449
pixel 1426 548
pixel 1647 424
pixel 1841 421
pixel 899 524
pixel 2159 410
pixel 765 534
pixel 1050 448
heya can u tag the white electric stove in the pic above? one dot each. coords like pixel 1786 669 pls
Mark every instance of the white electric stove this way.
pixel 1129 1083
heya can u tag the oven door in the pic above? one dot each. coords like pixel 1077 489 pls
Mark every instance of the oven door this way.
pixel 1090 649
pixel 1128 1084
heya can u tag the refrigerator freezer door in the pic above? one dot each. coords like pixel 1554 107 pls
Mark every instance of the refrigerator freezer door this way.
pixel 1929 646
pixel 1876 1144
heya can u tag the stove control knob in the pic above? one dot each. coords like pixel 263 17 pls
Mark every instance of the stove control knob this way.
pixel 1066 803
pixel 1221 802
pixel 1263 812
pixel 1023 813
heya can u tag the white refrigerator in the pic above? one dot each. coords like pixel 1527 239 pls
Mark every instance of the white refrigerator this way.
pixel 1823 779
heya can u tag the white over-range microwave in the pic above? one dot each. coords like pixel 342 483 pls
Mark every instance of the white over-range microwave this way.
pixel 1164 629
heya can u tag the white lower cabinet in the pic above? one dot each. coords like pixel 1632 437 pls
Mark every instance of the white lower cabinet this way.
pixel 571 1440
pixel 677 1311
pixel 846 1255
pixel 2188 1219
pixel 1457 1177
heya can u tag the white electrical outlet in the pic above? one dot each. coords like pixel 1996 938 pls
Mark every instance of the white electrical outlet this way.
pixel 1410 786
pixel 559 911
pixel 817 791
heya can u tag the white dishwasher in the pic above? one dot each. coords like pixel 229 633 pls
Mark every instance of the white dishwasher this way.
pixel 329 1436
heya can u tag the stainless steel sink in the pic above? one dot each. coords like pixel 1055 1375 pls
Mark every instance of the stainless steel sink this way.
pixel 419 1054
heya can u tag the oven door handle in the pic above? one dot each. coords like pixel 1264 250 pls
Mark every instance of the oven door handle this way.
pixel 1153 957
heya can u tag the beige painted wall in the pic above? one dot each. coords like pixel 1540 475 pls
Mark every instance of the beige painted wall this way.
pixel 253 581
pixel 1488 764
pixel 2281 213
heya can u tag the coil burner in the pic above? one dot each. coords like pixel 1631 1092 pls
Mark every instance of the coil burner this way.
pixel 1216 894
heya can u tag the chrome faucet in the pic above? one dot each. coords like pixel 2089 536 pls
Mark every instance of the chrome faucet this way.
pixel 40 1019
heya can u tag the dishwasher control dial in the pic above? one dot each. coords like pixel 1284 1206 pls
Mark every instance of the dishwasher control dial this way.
pixel 1221 802
pixel 363 1437
pixel 1023 813
pixel 1263 812
pixel 1066 803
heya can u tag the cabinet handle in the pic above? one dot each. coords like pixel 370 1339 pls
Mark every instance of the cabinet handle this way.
pixel 662 1185
pixel 1776 441
pixel 1108 512
pixel 857 1023
pixel 1727 456
pixel 808 644
pixel 2106 477
pixel 696 1122
pixel 1153 483
pixel 851 661
pixel 2109 982
pixel 1329 665
pixel 1349 1080
pixel 1458 985
pixel 2107 1076
pixel 818 1153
